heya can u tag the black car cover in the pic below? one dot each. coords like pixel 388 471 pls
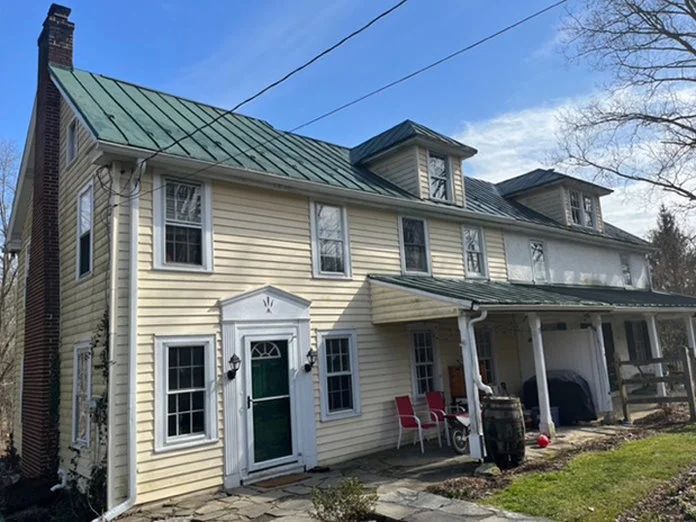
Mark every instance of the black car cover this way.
pixel 568 391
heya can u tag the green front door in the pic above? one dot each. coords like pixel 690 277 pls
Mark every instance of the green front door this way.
pixel 269 401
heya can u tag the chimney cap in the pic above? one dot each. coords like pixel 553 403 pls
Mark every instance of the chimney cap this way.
pixel 59 11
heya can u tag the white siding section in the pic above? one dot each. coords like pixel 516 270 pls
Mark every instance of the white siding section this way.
pixel 572 263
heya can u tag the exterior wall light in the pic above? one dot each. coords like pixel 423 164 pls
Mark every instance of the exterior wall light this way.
pixel 235 363
pixel 311 360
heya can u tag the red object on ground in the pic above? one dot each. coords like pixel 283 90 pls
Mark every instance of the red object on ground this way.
pixel 543 441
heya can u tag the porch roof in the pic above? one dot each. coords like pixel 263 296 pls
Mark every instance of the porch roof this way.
pixel 492 295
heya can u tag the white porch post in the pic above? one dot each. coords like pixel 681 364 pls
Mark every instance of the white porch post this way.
pixel 656 352
pixel 546 424
pixel 472 396
pixel 605 403
pixel 690 334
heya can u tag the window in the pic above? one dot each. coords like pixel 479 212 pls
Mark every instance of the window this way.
pixel 425 378
pixel 71 142
pixel 538 261
pixel 626 269
pixel 330 243
pixel 638 340
pixel 414 244
pixel 183 225
pixel 82 393
pixel 440 183
pixel 582 209
pixel 473 252
pixel 338 367
pixel 185 392
pixel 484 347
pixel 85 223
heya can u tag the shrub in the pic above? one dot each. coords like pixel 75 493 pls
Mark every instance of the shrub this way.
pixel 346 502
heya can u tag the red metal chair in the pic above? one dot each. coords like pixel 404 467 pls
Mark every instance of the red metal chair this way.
pixel 438 411
pixel 408 420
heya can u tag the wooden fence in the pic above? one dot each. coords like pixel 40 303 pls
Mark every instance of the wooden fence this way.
pixel 686 377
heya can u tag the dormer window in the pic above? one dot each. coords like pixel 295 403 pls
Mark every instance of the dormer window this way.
pixel 440 177
pixel 582 209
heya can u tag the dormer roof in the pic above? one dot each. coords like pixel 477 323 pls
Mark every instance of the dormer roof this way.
pixel 406 132
pixel 539 178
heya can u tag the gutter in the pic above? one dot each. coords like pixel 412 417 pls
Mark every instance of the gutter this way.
pixel 342 194
pixel 132 357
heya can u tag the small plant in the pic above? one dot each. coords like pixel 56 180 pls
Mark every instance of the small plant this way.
pixel 346 502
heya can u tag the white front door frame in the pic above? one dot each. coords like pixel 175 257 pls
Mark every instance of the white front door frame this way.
pixel 265 313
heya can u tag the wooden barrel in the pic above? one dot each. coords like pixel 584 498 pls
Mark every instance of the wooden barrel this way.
pixel 503 431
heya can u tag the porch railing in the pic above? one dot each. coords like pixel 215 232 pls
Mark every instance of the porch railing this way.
pixel 682 361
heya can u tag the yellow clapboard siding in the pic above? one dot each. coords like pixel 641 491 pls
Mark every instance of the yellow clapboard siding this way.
pixel 400 168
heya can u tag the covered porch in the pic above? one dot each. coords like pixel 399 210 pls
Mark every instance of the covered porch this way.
pixel 493 337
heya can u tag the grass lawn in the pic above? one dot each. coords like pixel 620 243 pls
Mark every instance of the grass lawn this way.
pixel 599 486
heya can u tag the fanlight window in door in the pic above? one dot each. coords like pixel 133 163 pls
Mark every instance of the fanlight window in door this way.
pixel 265 350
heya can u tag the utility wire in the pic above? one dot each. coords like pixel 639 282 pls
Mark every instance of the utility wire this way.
pixel 275 84
pixel 372 93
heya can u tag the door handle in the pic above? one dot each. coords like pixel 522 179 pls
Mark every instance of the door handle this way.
pixel 248 402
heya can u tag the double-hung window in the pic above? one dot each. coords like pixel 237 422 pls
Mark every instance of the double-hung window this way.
pixel 425 377
pixel 638 340
pixel 330 241
pixel 582 209
pixel 414 246
pixel 185 391
pixel 82 393
pixel 474 252
pixel 575 207
pixel 440 177
pixel 183 225
pixel 338 366
pixel 85 225
pixel 588 208
pixel 71 142
pixel 484 347
pixel 538 261
pixel 626 269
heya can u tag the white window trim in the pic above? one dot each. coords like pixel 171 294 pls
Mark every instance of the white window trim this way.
pixel 434 333
pixel 322 336
pixel 159 236
pixel 450 180
pixel 71 153
pixel 484 253
pixel 316 258
pixel 81 347
pixel 628 259
pixel 428 260
pixel 89 187
pixel 546 260
pixel 595 209
pixel 162 345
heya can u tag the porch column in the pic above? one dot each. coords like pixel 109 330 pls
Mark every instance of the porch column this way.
pixel 546 422
pixel 690 334
pixel 472 396
pixel 656 352
pixel 605 403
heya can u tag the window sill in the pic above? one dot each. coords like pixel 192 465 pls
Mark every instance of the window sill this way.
pixel 414 273
pixel 187 443
pixel 79 446
pixel 339 277
pixel 328 417
pixel 478 277
pixel 84 277
pixel 182 268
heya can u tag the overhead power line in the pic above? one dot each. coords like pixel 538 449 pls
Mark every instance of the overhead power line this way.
pixel 374 92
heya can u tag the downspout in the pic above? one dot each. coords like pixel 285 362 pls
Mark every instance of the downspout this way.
pixel 132 352
pixel 476 373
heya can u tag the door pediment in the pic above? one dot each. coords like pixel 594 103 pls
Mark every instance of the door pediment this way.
pixel 264 304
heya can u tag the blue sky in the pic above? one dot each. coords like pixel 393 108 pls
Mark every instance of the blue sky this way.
pixel 501 98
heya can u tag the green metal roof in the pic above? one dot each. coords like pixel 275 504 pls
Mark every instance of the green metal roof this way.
pixel 126 114
pixel 400 133
pixel 538 178
pixel 491 293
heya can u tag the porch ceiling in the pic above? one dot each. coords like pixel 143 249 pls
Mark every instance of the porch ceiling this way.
pixel 441 297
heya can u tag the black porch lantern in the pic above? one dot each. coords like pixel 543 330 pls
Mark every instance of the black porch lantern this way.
pixel 235 363
pixel 311 360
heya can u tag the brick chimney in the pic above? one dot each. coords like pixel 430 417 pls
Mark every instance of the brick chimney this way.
pixel 42 312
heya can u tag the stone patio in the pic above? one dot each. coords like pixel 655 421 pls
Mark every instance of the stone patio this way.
pixel 399 478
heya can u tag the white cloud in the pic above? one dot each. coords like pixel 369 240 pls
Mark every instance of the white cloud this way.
pixel 516 142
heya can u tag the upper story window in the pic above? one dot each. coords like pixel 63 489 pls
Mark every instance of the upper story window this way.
pixel 474 252
pixel 71 142
pixel 82 392
pixel 582 209
pixel 538 261
pixel 183 225
pixel 85 237
pixel 626 269
pixel 440 177
pixel 330 241
pixel 414 246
